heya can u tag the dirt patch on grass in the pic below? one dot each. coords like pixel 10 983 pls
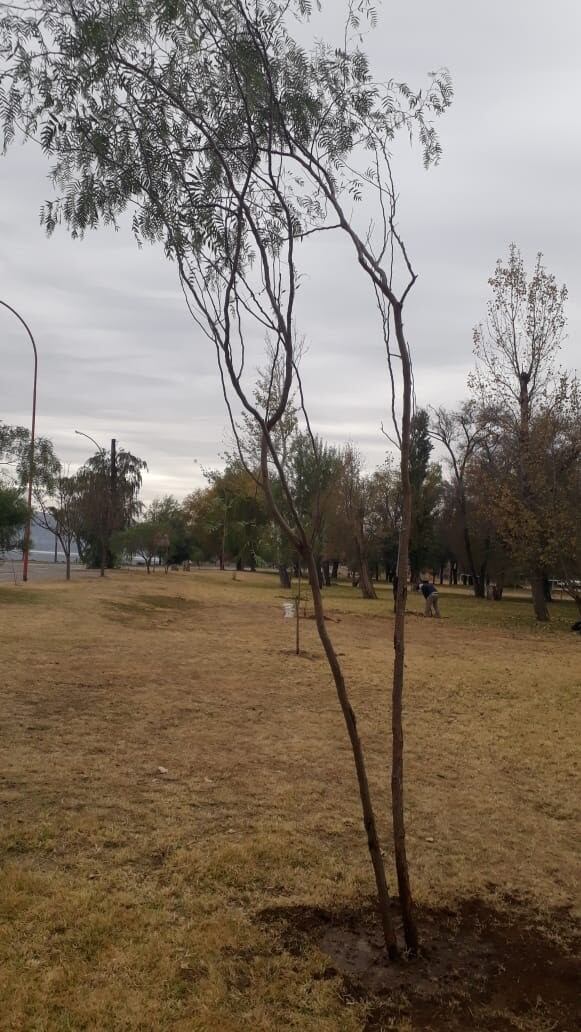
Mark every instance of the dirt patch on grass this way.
pixel 501 964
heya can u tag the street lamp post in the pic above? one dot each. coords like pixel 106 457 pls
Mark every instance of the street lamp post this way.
pixel 26 544
pixel 112 485
pixel 98 446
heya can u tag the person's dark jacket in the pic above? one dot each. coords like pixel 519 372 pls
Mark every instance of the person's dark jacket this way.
pixel 428 589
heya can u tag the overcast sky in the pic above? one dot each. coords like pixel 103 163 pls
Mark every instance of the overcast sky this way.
pixel 119 355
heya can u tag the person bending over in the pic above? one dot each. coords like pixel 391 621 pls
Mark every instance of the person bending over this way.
pixel 430 594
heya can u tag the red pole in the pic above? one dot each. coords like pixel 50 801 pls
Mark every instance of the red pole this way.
pixel 26 545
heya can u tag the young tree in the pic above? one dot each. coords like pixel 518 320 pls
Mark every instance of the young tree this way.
pixel 146 539
pixel 515 377
pixel 234 143
pixel 58 509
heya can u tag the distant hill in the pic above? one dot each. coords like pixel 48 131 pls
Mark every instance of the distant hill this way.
pixel 42 539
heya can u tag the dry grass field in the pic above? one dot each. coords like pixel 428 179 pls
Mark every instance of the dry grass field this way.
pixel 181 846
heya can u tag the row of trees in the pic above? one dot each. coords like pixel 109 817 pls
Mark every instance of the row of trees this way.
pixel 499 506
pixel 85 511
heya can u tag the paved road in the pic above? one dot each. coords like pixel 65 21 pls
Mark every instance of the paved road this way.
pixel 9 570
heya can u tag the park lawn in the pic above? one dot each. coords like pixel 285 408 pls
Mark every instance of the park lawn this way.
pixel 180 843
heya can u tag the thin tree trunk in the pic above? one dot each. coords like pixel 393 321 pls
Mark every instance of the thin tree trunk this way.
pixel 320 571
pixel 477 581
pixel 358 756
pixel 539 601
pixel 397 767
pixel 284 576
pixel 335 569
pixel 365 582
pixel 326 572
pixel 68 562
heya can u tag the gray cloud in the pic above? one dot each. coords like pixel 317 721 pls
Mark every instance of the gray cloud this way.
pixel 120 356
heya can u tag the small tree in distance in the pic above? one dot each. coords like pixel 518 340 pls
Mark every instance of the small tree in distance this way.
pixel 144 539
pixel 60 513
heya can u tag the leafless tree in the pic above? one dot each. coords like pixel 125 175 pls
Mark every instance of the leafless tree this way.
pixel 515 373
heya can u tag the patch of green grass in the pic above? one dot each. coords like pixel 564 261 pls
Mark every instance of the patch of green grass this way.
pixel 149 605
pixel 19 596
pixel 513 614
pixel 167 602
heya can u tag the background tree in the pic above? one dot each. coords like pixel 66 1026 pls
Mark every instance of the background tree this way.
pixel 146 539
pixel 386 508
pixel 58 509
pixel 15 459
pixel 515 377
pixel 170 517
pixel 107 503
pixel 462 433
pixel 15 472
pixel 13 515
pixel 426 481
pixel 313 469
pixel 355 498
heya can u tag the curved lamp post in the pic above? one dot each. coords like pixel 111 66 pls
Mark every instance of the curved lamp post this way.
pixel 26 546
pixel 99 447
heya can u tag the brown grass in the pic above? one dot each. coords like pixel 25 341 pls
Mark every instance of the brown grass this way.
pixel 133 899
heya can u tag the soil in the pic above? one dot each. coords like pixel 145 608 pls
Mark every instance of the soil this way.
pixel 480 968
